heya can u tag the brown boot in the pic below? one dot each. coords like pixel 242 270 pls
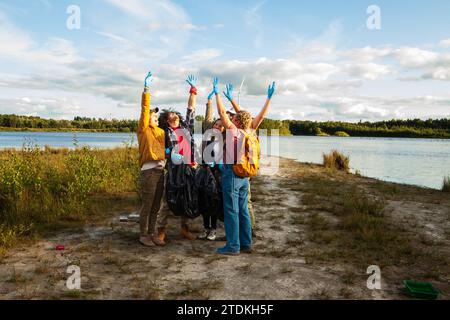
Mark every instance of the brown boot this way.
pixel 187 234
pixel 145 241
pixel 162 234
pixel 157 241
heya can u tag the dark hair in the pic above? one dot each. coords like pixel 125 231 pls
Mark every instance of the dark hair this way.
pixel 164 117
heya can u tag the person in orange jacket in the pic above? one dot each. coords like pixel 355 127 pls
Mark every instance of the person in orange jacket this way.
pixel 151 141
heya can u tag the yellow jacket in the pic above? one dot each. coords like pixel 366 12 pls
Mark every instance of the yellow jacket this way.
pixel 151 139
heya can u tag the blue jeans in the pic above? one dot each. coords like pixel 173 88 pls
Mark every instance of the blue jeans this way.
pixel 238 227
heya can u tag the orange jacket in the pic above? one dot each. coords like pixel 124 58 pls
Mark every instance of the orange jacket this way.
pixel 151 139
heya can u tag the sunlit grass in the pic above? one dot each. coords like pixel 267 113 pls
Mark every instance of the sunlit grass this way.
pixel 336 161
pixel 41 187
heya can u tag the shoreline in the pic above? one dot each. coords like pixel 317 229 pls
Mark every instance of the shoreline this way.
pixel 68 130
pixel 104 149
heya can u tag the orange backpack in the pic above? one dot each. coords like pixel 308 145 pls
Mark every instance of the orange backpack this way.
pixel 248 166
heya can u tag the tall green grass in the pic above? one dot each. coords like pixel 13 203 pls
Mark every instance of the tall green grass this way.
pixel 43 186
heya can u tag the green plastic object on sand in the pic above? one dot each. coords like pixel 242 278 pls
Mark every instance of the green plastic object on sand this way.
pixel 422 290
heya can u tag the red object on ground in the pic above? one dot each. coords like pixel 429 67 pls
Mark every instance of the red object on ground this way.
pixel 60 247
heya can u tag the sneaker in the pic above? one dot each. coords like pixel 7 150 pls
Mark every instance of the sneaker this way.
pixel 203 235
pixel 145 241
pixel 226 251
pixel 212 235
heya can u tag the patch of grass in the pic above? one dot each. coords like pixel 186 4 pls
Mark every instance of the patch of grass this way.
pixel 277 253
pixel 336 161
pixel 42 188
pixel 16 277
pixel 317 222
pixel 446 184
pixel 246 268
pixel 298 219
pixel 345 293
pixel 286 269
pixel 74 294
pixel 277 227
pixel 9 233
pixel 296 241
pixel 198 290
pixel 213 258
pixel 322 293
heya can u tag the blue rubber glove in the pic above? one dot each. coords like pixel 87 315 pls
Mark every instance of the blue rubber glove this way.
pixel 167 151
pixel 271 90
pixel 192 80
pixel 229 92
pixel 211 95
pixel 148 80
pixel 176 158
pixel 216 85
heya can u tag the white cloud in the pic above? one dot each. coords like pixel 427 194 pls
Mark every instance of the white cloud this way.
pixel 43 107
pixel 445 43
pixel 202 55
pixel 369 71
pixel 317 80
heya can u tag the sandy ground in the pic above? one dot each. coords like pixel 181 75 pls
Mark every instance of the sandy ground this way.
pixel 114 266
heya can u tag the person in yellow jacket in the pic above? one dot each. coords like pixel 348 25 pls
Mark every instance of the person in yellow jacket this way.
pixel 151 140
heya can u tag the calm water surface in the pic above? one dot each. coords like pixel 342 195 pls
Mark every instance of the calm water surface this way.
pixel 422 162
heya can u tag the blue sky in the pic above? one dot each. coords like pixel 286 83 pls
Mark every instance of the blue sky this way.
pixel 327 63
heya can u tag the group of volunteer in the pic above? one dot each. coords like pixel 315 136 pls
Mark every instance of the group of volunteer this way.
pixel 216 186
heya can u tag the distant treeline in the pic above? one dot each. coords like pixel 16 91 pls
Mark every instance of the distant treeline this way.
pixel 415 128
pixel 78 123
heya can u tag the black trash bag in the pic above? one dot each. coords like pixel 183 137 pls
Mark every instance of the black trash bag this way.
pixel 181 192
pixel 208 189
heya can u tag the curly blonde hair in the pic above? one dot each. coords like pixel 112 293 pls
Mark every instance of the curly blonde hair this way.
pixel 245 119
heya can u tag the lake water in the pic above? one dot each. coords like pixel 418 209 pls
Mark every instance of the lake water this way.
pixel 422 162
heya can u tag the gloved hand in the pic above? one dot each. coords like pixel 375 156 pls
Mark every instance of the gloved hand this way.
pixel 229 92
pixel 148 80
pixel 216 85
pixel 271 90
pixel 211 95
pixel 176 158
pixel 167 151
pixel 192 80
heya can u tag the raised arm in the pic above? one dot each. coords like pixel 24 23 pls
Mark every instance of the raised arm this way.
pixel 144 119
pixel 229 95
pixel 220 107
pixel 262 114
pixel 209 117
pixel 192 103
pixel 190 112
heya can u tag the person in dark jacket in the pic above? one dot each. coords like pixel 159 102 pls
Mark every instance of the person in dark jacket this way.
pixel 210 220
pixel 180 147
